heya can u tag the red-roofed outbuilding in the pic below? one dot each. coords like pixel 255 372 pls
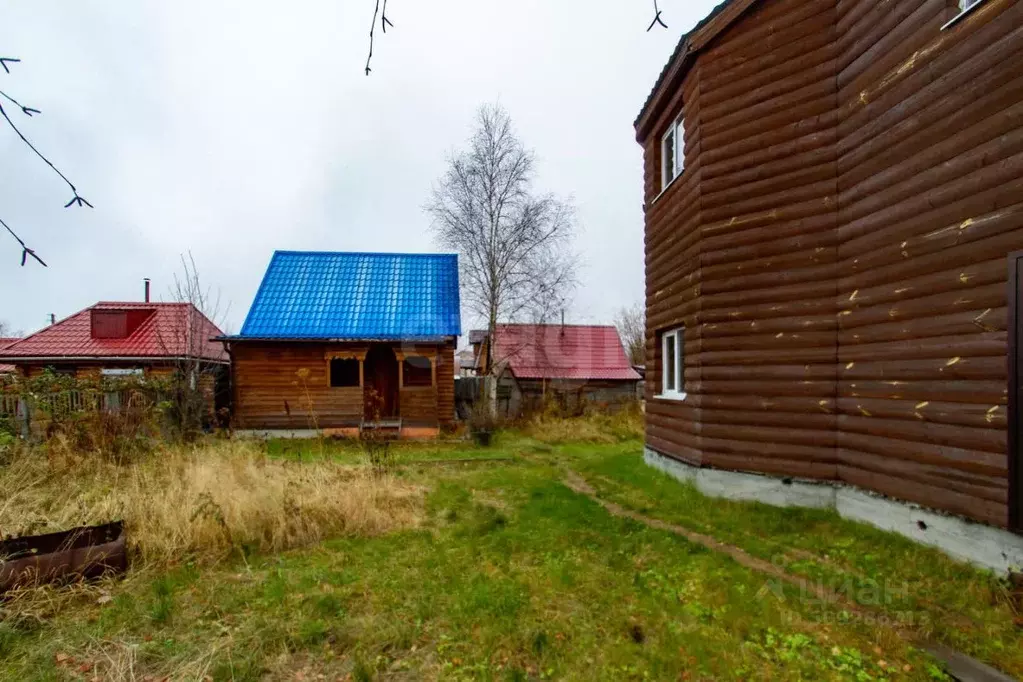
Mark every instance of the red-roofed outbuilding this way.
pixel 574 363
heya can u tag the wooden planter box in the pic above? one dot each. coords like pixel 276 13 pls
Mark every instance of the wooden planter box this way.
pixel 79 553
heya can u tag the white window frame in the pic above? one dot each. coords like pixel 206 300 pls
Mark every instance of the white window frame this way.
pixel 965 7
pixel 678 392
pixel 121 371
pixel 677 132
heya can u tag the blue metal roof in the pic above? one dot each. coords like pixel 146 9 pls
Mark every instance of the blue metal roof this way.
pixel 387 296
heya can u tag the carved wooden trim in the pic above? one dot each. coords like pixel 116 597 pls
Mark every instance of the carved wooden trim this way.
pixel 359 355
pixel 401 354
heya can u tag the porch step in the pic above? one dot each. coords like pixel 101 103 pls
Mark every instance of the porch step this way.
pixel 381 425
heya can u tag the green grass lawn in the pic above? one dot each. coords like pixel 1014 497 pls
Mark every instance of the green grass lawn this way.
pixel 513 576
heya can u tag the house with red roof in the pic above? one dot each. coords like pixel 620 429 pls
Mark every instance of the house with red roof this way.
pixel 574 364
pixel 117 339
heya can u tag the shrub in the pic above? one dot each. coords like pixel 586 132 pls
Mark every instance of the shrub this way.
pixel 482 418
pixel 375 441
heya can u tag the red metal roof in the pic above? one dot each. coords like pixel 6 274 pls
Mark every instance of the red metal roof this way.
pixel 555 351
pixel 168 330
pixel 4 343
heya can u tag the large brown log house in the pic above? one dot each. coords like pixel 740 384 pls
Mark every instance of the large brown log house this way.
pixel 834 225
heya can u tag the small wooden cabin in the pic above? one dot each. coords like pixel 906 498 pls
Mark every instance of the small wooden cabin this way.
pixel 834 214
pixel 338 342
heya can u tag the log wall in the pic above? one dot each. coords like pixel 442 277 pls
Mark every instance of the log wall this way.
pixel 837 247
pixel 287 386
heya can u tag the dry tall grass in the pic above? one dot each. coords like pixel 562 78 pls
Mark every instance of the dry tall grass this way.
pixel 552 427
pixel 203 502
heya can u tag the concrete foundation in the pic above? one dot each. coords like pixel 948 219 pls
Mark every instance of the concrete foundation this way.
pixel 267 434
pixel 406 433
pixel 976 543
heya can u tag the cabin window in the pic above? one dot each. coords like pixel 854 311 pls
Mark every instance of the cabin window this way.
pixel 344 373
pixel 673 364
pixel 121 372
pixel 965 6
pixel 417 371
pixel 672 152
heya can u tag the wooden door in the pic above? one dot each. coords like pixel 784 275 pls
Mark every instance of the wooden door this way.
pixel 1016 391
pixel 381 381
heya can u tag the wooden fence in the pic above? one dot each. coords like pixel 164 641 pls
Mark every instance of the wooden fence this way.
pixel 8 405
pixel 32 414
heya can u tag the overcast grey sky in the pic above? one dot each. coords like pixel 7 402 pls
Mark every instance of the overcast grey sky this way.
pixel 235 128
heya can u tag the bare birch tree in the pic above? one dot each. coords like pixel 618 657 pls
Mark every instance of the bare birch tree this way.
pixel 631 325
pixel 514 244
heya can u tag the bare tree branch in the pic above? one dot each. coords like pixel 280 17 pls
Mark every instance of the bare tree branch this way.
pixel 25 251
pixel 76 199
pixel 30 111
pixel 384 23
pixel 657 18
pixel 631 325
pixel 195 375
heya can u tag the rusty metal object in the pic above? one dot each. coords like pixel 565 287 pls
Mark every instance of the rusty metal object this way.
pixel 79 553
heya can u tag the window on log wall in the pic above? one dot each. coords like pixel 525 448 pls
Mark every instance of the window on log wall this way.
pixel 673 155
pixel 965 7
pixel 673 364
pixel 344 373
pixel 417 371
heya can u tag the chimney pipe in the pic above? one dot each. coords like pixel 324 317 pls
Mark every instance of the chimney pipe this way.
pixel 53 319
pixel 146 280
pixel 562 321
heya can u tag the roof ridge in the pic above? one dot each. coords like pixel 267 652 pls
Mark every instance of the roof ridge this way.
pixel 140 304
pixel 445 254
pixel 551 324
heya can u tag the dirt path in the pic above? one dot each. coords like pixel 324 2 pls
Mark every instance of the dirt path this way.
pixel 960 666
pixel 579 484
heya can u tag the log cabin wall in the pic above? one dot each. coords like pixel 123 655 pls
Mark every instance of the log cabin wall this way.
pixel 287 386
pixel 930 180
pixel 419 405
pixel 269 392
pixel 672 255
pixel 836 247
pixel 768 114
pixel 446 384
